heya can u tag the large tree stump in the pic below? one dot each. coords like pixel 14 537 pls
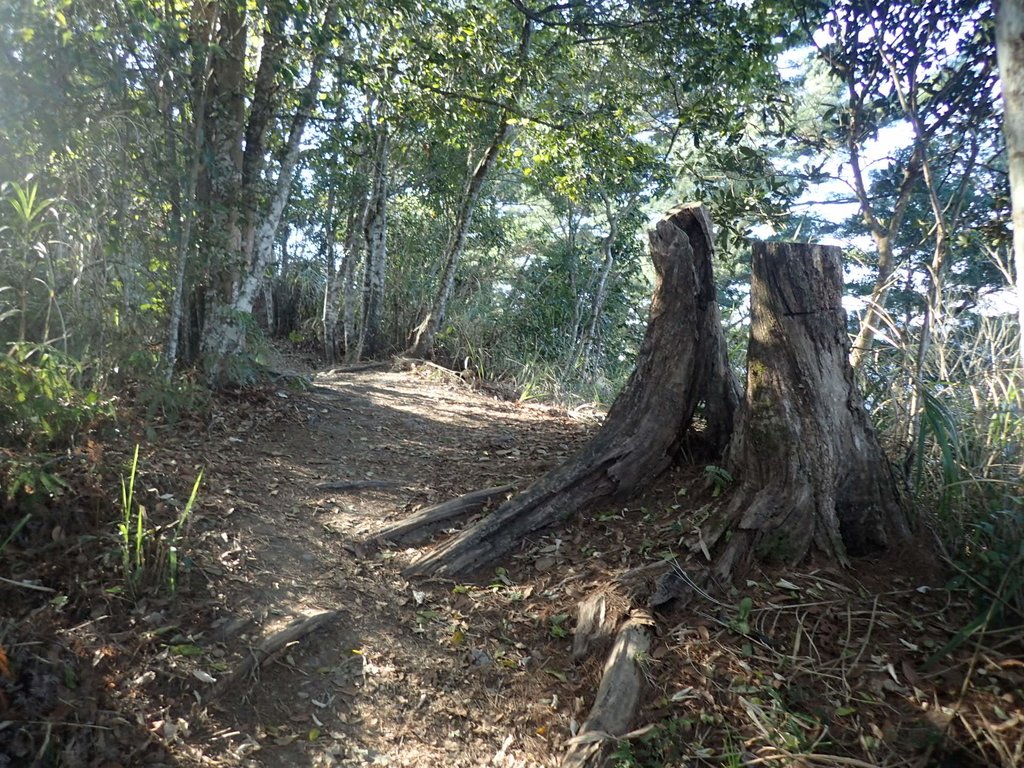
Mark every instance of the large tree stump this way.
pixel 682 371
pixel 812 473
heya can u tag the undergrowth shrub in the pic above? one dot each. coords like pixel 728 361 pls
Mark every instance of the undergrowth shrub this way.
pixel 45 410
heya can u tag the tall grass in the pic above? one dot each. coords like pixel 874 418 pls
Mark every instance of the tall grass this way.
pixel 966 460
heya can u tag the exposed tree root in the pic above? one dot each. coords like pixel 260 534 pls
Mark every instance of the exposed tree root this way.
pixel 426 522
pixel 267 647
pixel 618 695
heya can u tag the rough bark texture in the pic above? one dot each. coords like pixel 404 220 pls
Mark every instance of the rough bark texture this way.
pixel 375 229
pixel 682 366
pixel 813 475
pixel 618 696
pixel 224 334
pixel 1010 47
pixel 426 522
pixel 333 279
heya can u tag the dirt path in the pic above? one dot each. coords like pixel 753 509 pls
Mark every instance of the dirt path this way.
pixel 409 674
pixel 808 666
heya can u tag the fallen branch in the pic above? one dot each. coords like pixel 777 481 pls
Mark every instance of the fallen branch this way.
pixel 423 524
pixel 618 696
pixel 297 630
pixel 26 585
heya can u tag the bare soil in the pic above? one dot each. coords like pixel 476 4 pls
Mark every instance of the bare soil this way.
pixel 821 667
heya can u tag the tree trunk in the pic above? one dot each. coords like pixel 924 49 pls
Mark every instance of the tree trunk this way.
pixel 882 235
pixel 586 342
pixel 183 207
pixel 333 284
pixel 220 181
pixel 350 286
pixel 682 367
pixel 812 473
pixel 1010 48
pixel 423 336
pixel 375 230
pixel 225 333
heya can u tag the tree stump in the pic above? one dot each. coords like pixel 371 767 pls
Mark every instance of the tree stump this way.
pixel 812 474
pixel 682 372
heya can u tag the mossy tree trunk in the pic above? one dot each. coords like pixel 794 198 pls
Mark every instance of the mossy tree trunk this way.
pixel 812 475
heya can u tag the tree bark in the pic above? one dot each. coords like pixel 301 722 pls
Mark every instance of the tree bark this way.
pixel 351 316
pixel 1010 50
pixel 682 368
pixel 590 333
pixel 225 334
pixel 333 279
pixel 183 201
pixel 618 695
pixel 375 230
pixel 812 473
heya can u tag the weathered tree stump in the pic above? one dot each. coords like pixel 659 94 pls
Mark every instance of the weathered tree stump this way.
pixel 682 371
pixel 812 473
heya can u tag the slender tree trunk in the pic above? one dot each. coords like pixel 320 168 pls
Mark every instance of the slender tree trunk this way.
pixel 423 336
pixel 1010 47
pixel 184 243
pixel 183 197
pixel 812 473
pixel 262 109
pixel 351 293
pixel 589 336
pixel 375 231
pixel 333 283
pixel 946 220
pixel 882 235
pixel 221 179
pixel 682 366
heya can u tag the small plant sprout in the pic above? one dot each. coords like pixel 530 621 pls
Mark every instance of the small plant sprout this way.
pixel 135 538
pixel 172 550
pixel 557 626
pixel 131 529
pixel 717 478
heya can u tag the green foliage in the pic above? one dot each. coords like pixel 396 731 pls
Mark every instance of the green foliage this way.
pixel 968 459
pixel 718 479
pixel 14 532
pixel 663 745
pixel 131 530
pixel 556 625
pixel 44 403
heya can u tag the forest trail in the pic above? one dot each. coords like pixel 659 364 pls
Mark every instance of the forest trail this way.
pixel 408 674
pixel 809 666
